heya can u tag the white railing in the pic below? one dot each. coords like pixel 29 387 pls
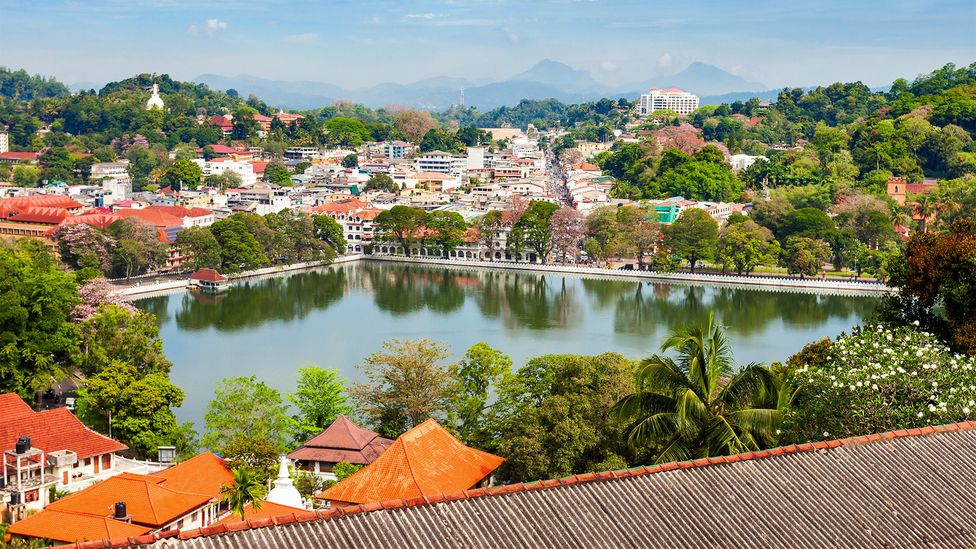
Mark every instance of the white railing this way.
pixel 709 278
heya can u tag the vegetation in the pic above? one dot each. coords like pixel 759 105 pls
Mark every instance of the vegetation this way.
pixel 245 489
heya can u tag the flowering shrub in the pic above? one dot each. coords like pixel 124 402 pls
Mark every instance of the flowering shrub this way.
pixel 881 379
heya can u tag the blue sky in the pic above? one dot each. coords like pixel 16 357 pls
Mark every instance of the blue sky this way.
pixel 357 43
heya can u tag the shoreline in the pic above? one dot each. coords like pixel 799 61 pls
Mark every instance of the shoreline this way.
pixel 139 290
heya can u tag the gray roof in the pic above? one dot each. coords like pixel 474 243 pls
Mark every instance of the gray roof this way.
pixel 913 488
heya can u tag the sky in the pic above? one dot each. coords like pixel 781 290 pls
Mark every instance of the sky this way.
pixel 357 43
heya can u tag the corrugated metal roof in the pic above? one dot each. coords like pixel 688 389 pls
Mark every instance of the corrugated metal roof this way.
pixel 914 488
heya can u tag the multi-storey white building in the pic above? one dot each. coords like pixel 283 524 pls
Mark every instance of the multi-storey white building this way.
pixel 440 161
pixel 116 182
pixel 397 149
pixel 672 99
pixel 4 140
pixel 222 165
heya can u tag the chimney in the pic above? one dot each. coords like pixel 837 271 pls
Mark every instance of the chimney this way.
pixel 23 444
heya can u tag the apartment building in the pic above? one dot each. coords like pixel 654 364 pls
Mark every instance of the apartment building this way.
pixel 672 99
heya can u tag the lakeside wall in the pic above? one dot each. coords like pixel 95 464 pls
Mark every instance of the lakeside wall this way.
pixel 731 279
pixel 769 282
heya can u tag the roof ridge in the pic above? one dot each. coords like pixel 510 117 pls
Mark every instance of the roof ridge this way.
pixel 330 514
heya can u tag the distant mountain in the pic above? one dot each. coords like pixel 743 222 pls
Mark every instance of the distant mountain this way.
pixel 83 86
pixel 559 76
pixel 546 79
pixel 703 80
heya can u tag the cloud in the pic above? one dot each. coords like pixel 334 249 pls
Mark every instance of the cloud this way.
pixel 426 16
pixel 608 66
pixel 374 20
pixel 212 27
pixel 510 35
pixel 303 38
pixel 664 61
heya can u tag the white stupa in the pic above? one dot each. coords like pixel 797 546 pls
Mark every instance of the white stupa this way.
pixel 155 102
pixel 284 491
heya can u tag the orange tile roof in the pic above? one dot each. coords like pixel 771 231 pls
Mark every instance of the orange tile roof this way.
pixel 99 220
pixel 424 461
pixel 432 176
pixel 67 526
pixel 50 430
pixel 157 218
pixel 267 510
pixel 147 500
pixel 202 474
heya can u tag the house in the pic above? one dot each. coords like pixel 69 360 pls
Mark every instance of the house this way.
pixel 47 448
pixel 116 182
pixel 424 461
pixel 19 157
pixel 341 441
pixel 208 280
pixel 899 189
pixel 185 496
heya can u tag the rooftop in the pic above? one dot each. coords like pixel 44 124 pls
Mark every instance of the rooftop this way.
pixel 50 430
pixel 911 488
pixel 343 440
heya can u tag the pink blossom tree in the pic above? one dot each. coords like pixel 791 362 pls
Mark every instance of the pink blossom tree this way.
pixel 567 233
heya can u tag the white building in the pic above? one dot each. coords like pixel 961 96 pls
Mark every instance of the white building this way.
pixel 672 99
pixel 301 153
pixel 116 182
pixel 743 161
pixel 218 166
pixel 155 102
pixel 440 161
pixel 397 149
pixel 4 140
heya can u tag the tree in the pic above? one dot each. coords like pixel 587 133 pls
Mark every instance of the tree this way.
pixel 746 245
pixel 246 488
pixel 414 124
pixel 118 334
pixel 693 236
pixel 239 249
pixel 551 418
pixel 347 132
pixel 277 174
pixel 850 390
pixel 401 224
pixel 36 334
pixel 936 279
pixel 602 227
pixel 567 234
pixel 639 233
pixel 138 248
pixel 406 383
pixel 320 398
pixel 697 405
pixel 534 230
pixel 132 407
pixel 244 407
pixel 381 182
pixel 80 242
pixel 201 247
pixel 344 470
pixel 350 161
pixel 480 371
pixel 489 227
pixel 805 256
pixel 184 174
pixel 330 232
pixel 449 229
pixel 26 176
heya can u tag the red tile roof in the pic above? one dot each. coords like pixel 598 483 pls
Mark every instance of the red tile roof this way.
pixel 343 440
pixel 100 220
pixel 22 203
pixel 147 500
pixel 208 275
pixel 70 527
pixel 267 510
pixel 50 430
pixel 424 461
pixel 204 473
pixel 19 156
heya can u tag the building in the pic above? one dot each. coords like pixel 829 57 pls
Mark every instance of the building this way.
pixel 284 491
pixel 900 189
pixel 341 441
pixel 183 497
pixel 155 101
pixel 208 280
pixel 217 166
pixel 672 99
pixel 301 153
pixel 4 140
pixel 442 162
pixel 116 182
pixel 47 448
pixel 34 216
pixel 743 161
pixel 909 488
pixel 397 149
pixel 424 461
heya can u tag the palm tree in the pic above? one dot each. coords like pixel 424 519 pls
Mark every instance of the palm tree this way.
pixel 245 489
pixel 695 405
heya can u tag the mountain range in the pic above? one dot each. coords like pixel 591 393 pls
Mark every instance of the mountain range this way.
pixel 546 79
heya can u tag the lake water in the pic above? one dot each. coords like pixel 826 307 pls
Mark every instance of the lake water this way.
pixel 336 316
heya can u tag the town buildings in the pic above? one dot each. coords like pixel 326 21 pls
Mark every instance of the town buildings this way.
pixel 672 99
pixel 115 180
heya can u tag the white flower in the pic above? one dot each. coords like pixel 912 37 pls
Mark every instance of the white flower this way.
pixel 920 414
pixel 915 323
pixel 874 386
pixel 826 434
pixel 964 410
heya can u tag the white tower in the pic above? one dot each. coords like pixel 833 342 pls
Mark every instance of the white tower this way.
pixel 155 102
pixel 284 491
pixel 461 99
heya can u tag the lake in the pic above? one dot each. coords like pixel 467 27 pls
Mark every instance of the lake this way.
pixel 336 316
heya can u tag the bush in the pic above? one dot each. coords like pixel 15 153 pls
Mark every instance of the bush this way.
pixel 880 379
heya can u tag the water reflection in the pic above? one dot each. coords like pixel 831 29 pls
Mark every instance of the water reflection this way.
pixel 519 300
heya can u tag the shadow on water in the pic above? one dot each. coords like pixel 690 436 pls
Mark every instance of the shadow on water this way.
pixel 519 300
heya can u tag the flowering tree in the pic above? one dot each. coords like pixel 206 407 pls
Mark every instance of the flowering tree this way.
pixel 82 245
pixel 880 379
pixel 567 233
pixel 94 293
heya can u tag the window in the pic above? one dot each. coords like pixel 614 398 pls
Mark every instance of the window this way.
pixel 32 495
